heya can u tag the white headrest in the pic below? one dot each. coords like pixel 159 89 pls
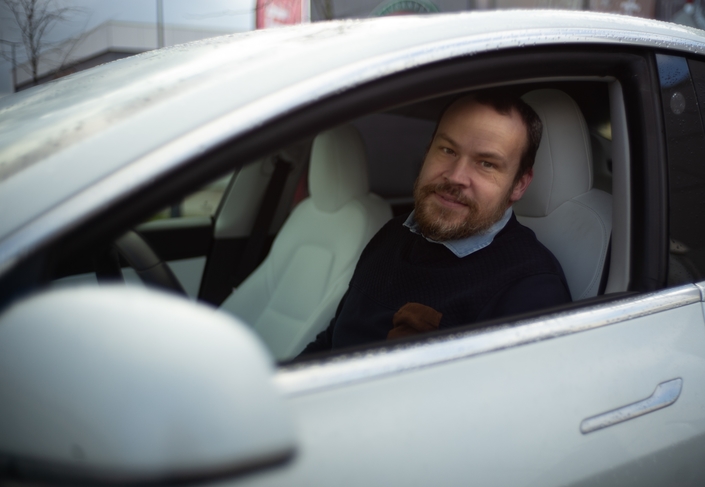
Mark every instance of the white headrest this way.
pixel 563 167
pixel 338 171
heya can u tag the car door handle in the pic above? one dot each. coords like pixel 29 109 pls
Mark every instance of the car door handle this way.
pixel 665 394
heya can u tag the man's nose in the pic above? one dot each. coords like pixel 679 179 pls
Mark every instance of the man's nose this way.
pixel 459 172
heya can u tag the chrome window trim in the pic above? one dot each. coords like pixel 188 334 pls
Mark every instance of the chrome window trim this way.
pixel 701 288
pixel 169 157
pixel 341 370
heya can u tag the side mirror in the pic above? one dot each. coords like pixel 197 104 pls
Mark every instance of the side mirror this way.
pixel 117 384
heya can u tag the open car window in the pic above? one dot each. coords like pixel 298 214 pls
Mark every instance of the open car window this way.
pixel 208 249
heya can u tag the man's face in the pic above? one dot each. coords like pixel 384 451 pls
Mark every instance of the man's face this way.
pixel 467 181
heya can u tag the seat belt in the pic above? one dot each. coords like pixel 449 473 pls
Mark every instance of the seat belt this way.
pixel 255 247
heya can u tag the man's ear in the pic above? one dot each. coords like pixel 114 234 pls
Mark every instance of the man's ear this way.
pixel 521 186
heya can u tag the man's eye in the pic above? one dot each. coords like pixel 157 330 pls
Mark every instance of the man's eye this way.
pixel 447 150
pixel 487 165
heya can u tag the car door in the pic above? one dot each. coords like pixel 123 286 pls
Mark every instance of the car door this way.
pixel 608 394
pixel 513 406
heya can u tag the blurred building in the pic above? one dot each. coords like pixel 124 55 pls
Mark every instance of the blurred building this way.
pixel 692 14
pixel 336 9
pixel 107 42
pixel 114 40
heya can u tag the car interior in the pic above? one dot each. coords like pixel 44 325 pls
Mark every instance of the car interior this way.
pixel 277 240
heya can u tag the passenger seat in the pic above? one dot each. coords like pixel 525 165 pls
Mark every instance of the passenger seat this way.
pixel 568 215
pixel 294 293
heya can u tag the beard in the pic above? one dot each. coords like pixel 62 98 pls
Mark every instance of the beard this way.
pixel 441 224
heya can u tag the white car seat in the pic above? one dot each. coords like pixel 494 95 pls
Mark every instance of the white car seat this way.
pixel 293 294
pixel 568 215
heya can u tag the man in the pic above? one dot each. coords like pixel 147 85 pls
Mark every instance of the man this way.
pixel 460 256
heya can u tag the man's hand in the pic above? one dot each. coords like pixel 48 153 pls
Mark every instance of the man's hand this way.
pixel 412 319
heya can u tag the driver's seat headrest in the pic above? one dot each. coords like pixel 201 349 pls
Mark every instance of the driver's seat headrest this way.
pixel 563 167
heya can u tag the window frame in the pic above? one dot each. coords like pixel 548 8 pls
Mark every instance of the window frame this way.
pixel 634 68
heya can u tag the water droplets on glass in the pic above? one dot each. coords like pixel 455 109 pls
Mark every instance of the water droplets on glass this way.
pixel 677 103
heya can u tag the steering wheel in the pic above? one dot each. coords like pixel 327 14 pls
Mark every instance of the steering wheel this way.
pixel 149 267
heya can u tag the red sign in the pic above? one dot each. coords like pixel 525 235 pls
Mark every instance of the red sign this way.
pixel 272 13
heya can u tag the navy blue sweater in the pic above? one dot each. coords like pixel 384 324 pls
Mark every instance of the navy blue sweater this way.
pixel 514 274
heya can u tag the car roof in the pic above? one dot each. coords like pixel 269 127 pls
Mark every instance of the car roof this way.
pixel 136 118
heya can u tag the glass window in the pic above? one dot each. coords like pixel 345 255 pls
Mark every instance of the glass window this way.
pixel 203 202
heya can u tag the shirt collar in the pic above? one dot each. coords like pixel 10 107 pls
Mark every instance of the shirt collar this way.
pixel 465 246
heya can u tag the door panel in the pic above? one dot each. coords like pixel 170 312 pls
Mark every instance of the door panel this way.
pixel 513 417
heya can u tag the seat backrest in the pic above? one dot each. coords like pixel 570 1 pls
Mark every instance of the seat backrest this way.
pixel 568 215
pixel 293 294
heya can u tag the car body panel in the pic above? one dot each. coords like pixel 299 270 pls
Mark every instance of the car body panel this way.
pixel 302 379
pixel 512 417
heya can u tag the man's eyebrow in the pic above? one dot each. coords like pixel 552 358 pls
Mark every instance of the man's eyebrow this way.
pixel 447 138
pixel 491 155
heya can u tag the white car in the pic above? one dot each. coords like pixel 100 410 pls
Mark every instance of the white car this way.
pixel 319 131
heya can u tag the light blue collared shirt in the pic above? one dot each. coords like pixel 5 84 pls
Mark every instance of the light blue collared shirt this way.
pixel 465 246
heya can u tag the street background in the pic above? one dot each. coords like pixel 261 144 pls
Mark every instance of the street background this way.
pixel 65 36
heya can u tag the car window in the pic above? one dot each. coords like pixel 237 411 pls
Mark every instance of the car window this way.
pixel 180 235
pixel 202 202
pixel 395 142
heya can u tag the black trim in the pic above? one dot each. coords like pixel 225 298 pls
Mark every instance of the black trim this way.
pixel 685 133
pixel 649 177
pixel 605 269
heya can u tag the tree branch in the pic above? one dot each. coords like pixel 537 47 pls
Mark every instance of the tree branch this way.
pixel 35 19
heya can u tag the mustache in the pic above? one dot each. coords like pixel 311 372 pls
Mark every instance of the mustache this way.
pixel 446 189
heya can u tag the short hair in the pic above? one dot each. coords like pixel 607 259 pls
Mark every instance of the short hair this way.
pixel 504 102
